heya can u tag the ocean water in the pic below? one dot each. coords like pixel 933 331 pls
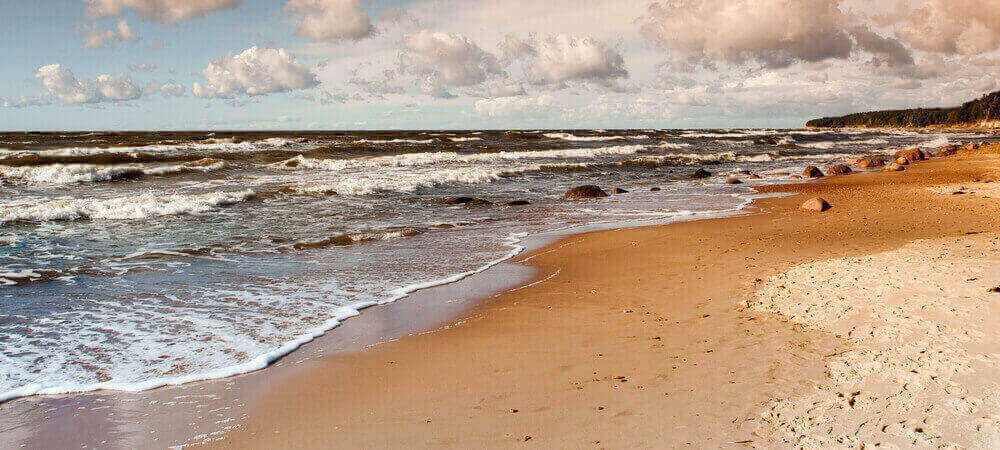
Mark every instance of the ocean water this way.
pixel 133 260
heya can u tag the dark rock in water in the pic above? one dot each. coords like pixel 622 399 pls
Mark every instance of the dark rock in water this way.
pixel 753 176
pixel 733 180
pixel 617 191
pixel 656 189
pixel 839 169
pixel 701 173
pixel 588 191
pixel 467 201
pixel 336 241
pixel 457 200
pixel 518 203
pixel 812 172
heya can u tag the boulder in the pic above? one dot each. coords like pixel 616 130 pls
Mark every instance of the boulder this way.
pixel 947 150
pixel 617 191
pixel 467 201
pixel 753 176
pixel 588 191
pixel 902 161
pixel 913 155
pixel 816 204
pixel 733 180
pixel 871 162
pixel 893 167
pixel 655 189
pixel 839 169
pixel 812 172
pixel 972 146
pixel 701 173
pixel 518 203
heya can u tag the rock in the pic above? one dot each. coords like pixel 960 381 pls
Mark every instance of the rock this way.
pixel 902 161
pixel 656 189
pixel 733 180
pixel 753 176
pixel 912 155
pixel 701 173
pixel 816 204
pixel 839 169
pixel 812 172
pixel 617 191
pixel 947 150
pixel 518 203
pixel 871 162
pixel 972 146
pixel 588 191
pixel 467 201
pixel 893 167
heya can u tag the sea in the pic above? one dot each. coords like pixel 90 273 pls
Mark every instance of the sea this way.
pixel 130 261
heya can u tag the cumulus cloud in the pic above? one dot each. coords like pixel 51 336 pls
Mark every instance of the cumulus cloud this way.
pixel 172 89
pixel 504 106
pixel 59 82
pixel 255 71
pixel 775 33
pixel 22 102
pixel 561 58
pixel 163 11
pixel 447 59
pixel 99 38
pixel 967 27
pixel 331 20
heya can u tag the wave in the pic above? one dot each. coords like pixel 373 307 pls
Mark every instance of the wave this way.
pixel 148 153
pixel 575 138
pixel 119 208
pixel 395 141
pixel 90 173
pixel 673 145
pixel 465 139
pixel 429 158
pixel 937 142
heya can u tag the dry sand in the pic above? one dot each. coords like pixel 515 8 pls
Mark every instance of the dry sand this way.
pixel 785 327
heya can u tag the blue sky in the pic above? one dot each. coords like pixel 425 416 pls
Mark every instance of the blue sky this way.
pixel 484 64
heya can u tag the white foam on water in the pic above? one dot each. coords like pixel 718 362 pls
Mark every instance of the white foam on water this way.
pixel 465 139
pixel 92 173
pixel 69 173
pixel 395 141
pixel 335 317
pixel 430 158
pixel 574 138
pixel 135 207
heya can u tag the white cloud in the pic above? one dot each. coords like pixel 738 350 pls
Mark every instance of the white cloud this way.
pixel 255 71
pixel 331 20
pixel 22 102
pixel 967 27
pixel 775 33
pixel 504 106
pixel 561 58
pixel 447 59
pixel 98 38
pixel 164 11
pixel 172 89
pixel 60 83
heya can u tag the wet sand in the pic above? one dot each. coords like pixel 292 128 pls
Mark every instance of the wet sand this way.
pixel 629 338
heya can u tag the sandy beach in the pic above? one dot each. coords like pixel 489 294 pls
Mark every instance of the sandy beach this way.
pixel 779 327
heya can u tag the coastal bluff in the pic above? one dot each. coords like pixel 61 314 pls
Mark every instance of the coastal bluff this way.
pixel 983 112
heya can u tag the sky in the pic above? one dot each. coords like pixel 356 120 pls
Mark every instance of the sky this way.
pixel 474 64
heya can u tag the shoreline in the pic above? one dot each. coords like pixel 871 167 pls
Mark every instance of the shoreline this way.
pixel 314 360
pixel 516 362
